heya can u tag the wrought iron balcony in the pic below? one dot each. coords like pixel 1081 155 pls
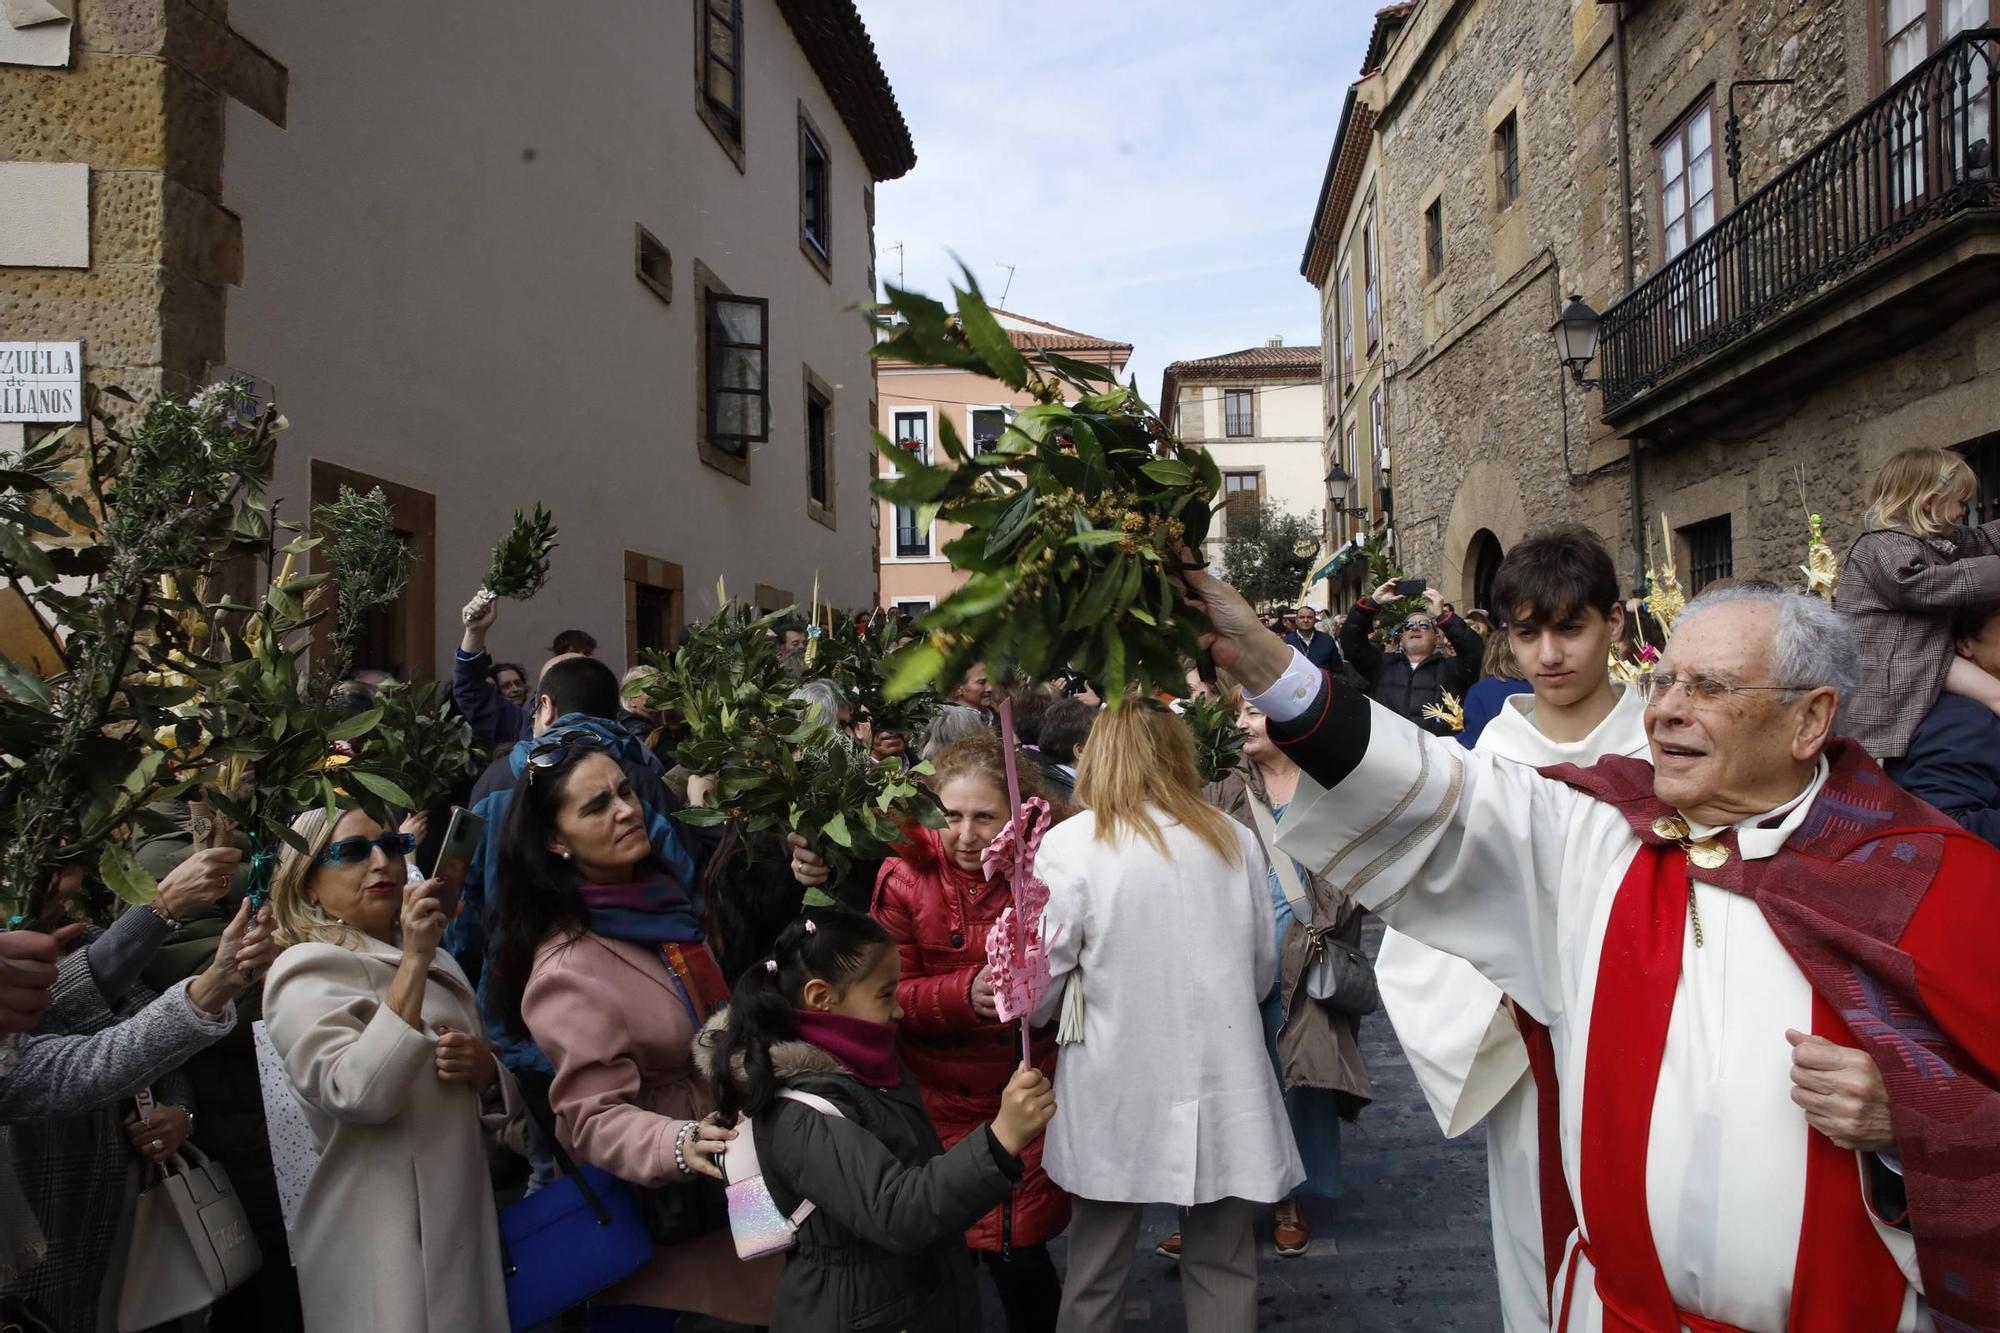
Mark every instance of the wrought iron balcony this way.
pixel 1910 160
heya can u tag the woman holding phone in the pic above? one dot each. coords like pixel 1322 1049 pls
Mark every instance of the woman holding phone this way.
pixel 378 1031
pixel 599 953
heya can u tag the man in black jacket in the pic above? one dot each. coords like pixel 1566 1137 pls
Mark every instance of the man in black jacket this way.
pixel 1306 637
pixel 1420 675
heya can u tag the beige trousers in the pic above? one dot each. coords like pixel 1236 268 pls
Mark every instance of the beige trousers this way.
pixel 1218 1266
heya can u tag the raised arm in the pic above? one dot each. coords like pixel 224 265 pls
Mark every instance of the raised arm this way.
pixel 1458 850
pixel 1893 564
pixel 1360 651
pixel 63 1076
pixel 346 1052
pixel 1462 672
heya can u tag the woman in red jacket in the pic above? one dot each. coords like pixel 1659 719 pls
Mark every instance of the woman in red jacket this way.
pixel 935 901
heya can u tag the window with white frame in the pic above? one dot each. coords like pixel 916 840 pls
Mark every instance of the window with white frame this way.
pixel 911 431
pixel 1378 430
pixel 1371 280
pixel 1346 328
pixel 985 426
pixel 1687 180
pixel 815 191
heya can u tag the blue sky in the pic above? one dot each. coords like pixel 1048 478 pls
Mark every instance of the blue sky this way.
pixel 1148 167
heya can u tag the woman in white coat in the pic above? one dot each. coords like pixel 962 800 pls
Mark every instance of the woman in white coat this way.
pixel 379 1033
pixel 1159 932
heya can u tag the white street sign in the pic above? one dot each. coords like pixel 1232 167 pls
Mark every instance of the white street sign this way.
pixel 41 381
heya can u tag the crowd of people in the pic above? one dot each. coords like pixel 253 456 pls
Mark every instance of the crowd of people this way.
pixel 1655 917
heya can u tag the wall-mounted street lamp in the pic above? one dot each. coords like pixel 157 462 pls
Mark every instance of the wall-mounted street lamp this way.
pixel 1575 333
pixel 1337 486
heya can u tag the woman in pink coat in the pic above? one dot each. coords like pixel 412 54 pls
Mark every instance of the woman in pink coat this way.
pixel 599 956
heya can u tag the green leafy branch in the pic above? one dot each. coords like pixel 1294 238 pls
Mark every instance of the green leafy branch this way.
pixel 773 767
pixel 149 507
pixel 1076 522
pixel 370 564
pixel 521 558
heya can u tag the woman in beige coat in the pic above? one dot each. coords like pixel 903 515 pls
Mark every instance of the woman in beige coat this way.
pixel 378 1031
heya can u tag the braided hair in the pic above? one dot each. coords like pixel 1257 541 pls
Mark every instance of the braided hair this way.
pixel 830 944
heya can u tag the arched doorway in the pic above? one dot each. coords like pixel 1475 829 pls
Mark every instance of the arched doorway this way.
pixel 1482 559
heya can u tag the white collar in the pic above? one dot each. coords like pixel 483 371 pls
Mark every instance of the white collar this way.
pixel 1513 735
pixel 1757 843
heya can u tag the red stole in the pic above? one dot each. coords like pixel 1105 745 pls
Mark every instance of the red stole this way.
pixel 1846 1278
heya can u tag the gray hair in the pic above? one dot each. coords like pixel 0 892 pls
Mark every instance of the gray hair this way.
pixel 1813 647
pixel 823 700
pixel 954 722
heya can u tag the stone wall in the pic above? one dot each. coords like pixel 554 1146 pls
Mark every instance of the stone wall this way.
pixel 1942 391
pixel 1489 434
pixel 1685 53
pixel 142 105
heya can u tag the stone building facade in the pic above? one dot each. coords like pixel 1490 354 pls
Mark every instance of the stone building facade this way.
pixel 1765 347
pixel 1260 413
pixel 1344 260
pixel 479 295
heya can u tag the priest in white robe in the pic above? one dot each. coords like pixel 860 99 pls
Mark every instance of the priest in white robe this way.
pixel 1630 910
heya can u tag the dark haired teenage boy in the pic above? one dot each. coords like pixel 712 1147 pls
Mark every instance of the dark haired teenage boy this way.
pixel 1556 597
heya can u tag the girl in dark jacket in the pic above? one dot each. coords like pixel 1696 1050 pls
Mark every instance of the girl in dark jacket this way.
pixel 883 1248
pixel 935 901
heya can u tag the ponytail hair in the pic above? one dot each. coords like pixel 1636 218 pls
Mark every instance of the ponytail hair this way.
pixel 832 945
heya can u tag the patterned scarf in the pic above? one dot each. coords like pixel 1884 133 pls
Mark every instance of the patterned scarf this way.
pixel 659 912
pixel 1839 896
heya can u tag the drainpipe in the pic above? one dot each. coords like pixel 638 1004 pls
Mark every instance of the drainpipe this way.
pixel 1625 257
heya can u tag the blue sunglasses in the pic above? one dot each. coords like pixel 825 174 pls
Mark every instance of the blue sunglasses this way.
pixel 349 850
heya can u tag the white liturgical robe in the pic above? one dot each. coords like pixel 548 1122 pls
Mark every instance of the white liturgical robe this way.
pixel 1463 1044
pixel 1517 873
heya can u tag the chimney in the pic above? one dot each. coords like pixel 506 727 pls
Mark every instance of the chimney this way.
pixel 1275 340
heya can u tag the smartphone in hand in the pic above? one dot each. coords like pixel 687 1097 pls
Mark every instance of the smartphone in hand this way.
pixel 1410 587
pixel 461 836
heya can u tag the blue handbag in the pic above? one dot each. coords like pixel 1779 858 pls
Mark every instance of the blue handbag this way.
pixel 568 1241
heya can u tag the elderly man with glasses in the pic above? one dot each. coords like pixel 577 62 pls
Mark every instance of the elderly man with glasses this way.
pixel 1419 675
pixel 1729 946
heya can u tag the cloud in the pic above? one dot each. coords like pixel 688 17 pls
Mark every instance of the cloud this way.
pixel 1147 168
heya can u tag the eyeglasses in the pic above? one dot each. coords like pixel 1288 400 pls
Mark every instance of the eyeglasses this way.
pixel 349 850
pixel 1656 686
pixel 554 750
pixel 1414 623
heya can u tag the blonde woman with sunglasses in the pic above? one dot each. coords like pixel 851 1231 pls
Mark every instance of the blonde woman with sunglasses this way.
pixel 382 1045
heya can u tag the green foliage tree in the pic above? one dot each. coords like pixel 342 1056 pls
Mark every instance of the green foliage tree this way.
pixel 1269 563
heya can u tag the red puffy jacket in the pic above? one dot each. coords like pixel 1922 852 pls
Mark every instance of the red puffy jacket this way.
pixel 939 917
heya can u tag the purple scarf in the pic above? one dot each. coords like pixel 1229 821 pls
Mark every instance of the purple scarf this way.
pixel 651 911
pixel 867 1049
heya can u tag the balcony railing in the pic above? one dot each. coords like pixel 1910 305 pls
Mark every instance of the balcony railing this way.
pixel 1920 153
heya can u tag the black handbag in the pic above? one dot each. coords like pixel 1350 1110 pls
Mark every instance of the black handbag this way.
pixel 684 1210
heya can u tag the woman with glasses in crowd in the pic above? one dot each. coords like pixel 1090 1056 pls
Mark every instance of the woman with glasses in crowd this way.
pixel 379 1033
pixel 601 956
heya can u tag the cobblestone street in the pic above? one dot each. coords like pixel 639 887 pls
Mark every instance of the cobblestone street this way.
pixel 1408 1248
